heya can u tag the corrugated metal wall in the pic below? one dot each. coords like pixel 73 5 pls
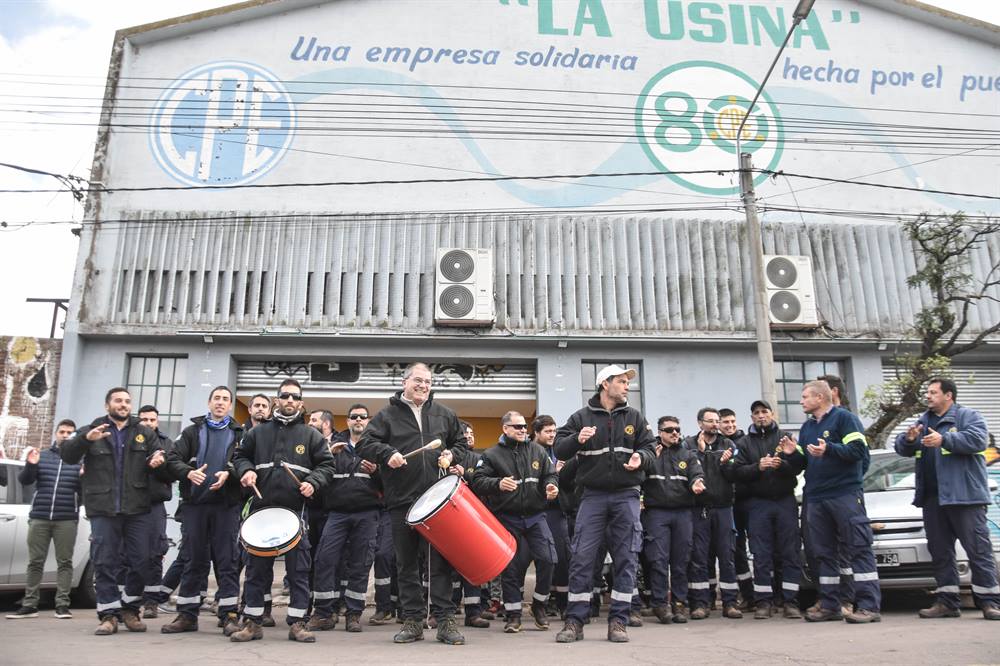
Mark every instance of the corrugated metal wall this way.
pixel 572 274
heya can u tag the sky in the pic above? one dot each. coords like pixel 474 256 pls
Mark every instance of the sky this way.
pixel 72 39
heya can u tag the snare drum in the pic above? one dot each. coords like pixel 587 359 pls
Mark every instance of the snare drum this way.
pixel 271 531
pixel 463 530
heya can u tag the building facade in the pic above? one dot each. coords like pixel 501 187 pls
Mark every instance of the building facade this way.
pixel 281 178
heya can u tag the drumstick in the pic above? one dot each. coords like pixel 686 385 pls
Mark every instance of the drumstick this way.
pixel 291 473
pixel 256 492
pixel 433 444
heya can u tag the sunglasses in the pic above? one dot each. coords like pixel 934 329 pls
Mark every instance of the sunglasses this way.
pixel 670 431
pixel 357 417
pixel 518 426
pixel 285 395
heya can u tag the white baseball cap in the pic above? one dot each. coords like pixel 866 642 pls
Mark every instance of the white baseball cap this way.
pixel 614 371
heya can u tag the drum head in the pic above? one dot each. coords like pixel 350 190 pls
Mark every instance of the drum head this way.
pixel 270 527
pixel 432 499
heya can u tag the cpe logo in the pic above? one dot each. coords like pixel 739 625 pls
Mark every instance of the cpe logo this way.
pixel 683 129
pixel 224 123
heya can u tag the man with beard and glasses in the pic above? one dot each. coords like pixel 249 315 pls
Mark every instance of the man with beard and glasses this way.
pixel 119 456
pixel 267 458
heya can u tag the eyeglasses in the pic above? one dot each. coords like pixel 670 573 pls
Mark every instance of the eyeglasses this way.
pixel 357 417
pixel 285 395
pixel 670 431
pixel 518 426
pixel 420 381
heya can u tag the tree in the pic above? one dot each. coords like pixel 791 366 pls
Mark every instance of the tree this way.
pixel 939 330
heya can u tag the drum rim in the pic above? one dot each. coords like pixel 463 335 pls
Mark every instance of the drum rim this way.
pixel 440 506
pixel 277 549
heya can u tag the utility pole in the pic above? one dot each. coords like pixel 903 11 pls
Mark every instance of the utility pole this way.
pixel 762 319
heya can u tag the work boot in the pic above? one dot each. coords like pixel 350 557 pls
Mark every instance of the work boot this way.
pixel 763 611
pixel 662 614
pixel 251 631
pixel 352 622
pixel 824 615
pixel 230 624
pixel 149 611
pixel 634 619
pixel 380 618
pixel 320 623
pixel 991 612
pixel 814 608
pixel 617 632
pixel 863 616
pixel 180 624
pixel 846 609
pixel 491 611
pixel 413 630
pixel 298 633
pixel 132 621
pixel 552 607
pixel 108 626
pixel 699 613
pixel 477 622
pixel 513 624
pixel 539 615
pixel 680 612
pixel 939 609
pixel 267 620
pixel 732 612
pixel 448 633
pixel 571 632
pixel 791 611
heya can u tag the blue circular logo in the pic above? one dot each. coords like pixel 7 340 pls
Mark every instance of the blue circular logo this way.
pixel 223 123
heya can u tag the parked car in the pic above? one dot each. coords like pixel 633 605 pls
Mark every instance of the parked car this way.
pixel 900 541
pixel 15 503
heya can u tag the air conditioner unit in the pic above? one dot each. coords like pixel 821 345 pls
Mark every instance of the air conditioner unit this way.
pixel 463 294
pixel 791 298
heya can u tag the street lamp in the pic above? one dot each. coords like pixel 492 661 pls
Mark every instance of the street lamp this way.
pixel 765 354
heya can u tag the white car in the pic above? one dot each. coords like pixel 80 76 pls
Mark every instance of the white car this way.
pixel 15 504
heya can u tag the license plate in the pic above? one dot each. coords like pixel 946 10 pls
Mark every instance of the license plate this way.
pixel 887 559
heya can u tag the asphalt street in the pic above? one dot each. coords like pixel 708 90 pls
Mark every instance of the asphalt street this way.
pixel 901 638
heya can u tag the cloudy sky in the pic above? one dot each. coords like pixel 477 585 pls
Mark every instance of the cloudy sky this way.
pixel 68 42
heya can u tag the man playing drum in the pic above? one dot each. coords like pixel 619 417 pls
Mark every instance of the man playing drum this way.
pixel 285 441
pixel 410 420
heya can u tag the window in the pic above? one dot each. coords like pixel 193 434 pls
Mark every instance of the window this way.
pixel 791 376
pixel 591 368
pixel 159 381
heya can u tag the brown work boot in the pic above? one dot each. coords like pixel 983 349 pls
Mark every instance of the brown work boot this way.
pixel 863 616
pixel 662 614
pixel 320 623
pixel 180 624
pixel 267 620
pixel 763 611
pixel 824 615
pixel 149 611
pixel 298 632
pixel 381 617
pixel 352 622
pixel 991 612
pixel 634 619
pixel 572 632
pixel 617 633
pixel 108 626
pixel 251 631
pixel 699 613
pixel 477 622
pixel 680 612
pixel 791 611
pixel 732 612
pixel 539 615
pixel 131 620
pixel 939 609
pixel 230 624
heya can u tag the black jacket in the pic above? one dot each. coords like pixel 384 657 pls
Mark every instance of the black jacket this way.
pixel 267 447
pixel 184 454
pixel 394 429
pixel 669 479
pixel 351 490
pixel 57 489
pixel 99 476
pixel 569 492
pixel 161 489
pixel 719 477
pixel 602 458
pixel 528 463
pixel 773 483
